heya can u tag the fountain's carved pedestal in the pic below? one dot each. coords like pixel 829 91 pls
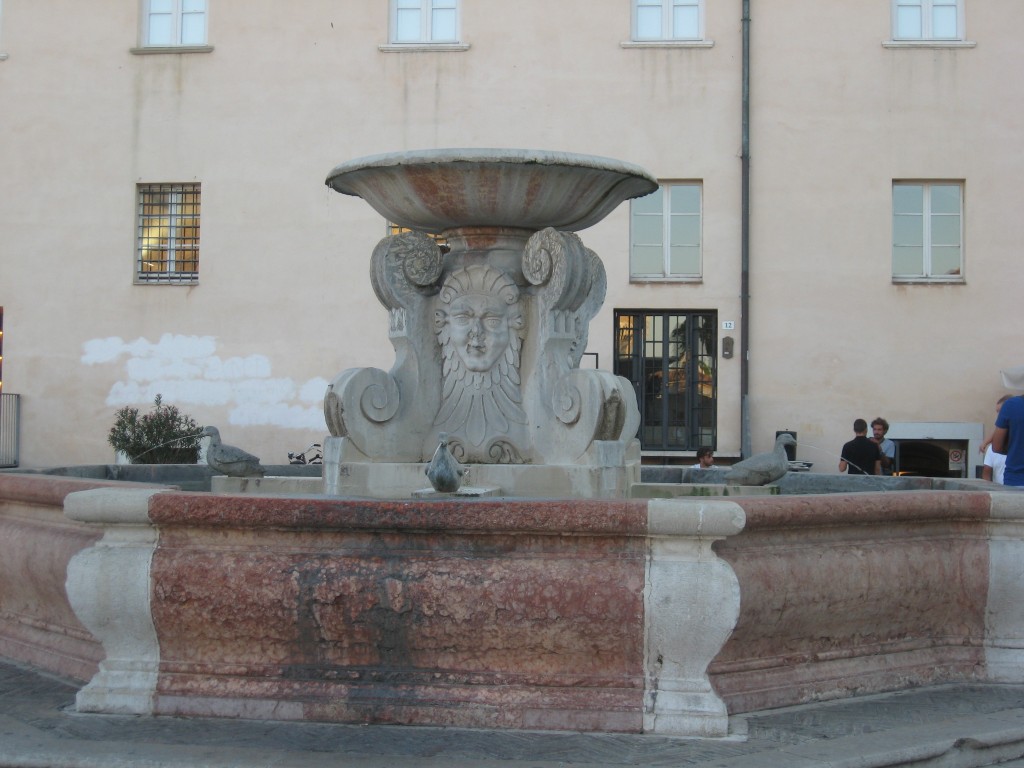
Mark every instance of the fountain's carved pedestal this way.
pixel 489 329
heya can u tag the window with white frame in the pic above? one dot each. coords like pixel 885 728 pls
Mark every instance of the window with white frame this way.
pixel 927 231
pixel 927 19
pixel 167 233
pixel 424 21
pixel 665 233
pixel 173 23
pixel 668 20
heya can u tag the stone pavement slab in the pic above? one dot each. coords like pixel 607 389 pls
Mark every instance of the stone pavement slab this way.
pixel 952 726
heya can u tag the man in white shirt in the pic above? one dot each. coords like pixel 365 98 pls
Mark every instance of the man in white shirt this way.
pixel 886 446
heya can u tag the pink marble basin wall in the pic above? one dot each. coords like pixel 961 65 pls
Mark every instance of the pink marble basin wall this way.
pixel 37 624
pixel 495 614
pixel 854 593
pixel 514 614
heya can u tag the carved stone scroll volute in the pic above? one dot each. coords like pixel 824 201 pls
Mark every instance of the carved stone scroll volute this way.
pixel 572 407
pixel 382 413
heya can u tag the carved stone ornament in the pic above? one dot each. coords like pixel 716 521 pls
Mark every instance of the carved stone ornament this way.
pixel 465 378
pixel 488 335
pixel 480 328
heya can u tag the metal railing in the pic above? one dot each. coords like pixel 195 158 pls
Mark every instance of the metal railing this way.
pixel 10 413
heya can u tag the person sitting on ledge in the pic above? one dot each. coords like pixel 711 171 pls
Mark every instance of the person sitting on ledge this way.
pixel 705 458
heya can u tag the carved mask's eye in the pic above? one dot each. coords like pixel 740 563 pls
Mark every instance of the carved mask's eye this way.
pixel 493 322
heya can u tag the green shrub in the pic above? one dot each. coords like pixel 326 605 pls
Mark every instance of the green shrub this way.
pixel 162 436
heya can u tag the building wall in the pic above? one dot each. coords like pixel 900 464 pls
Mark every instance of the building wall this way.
pixel 837 118
pixel 283 302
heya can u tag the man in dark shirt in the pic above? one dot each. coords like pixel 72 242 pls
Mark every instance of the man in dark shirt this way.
pixel 861 455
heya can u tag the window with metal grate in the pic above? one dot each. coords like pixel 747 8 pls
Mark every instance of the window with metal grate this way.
pixel 167 239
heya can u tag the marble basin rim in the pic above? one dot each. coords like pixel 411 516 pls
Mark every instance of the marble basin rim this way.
pixel 440 190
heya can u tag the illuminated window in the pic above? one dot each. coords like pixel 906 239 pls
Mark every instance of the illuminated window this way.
pixel 927 231
pixel 665 233
pixel 167 242
pixel 424 21
pixel 170 23
pixel 669 356
pixel 927 19
pixel 668 20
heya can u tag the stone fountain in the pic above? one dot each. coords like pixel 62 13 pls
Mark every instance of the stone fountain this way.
pixel 588 610
pixel 490 294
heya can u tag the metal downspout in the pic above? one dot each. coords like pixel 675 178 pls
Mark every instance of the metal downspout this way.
pixel 745 443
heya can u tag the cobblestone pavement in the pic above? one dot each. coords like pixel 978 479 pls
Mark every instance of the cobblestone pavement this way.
pixel 953 725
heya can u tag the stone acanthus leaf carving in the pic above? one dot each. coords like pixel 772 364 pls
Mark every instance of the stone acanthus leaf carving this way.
pixel 497 451
pixel 504 452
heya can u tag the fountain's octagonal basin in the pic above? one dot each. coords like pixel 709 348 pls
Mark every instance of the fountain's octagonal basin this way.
pixel 583 615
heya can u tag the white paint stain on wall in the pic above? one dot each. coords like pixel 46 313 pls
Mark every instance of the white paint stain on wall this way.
pixel 186 370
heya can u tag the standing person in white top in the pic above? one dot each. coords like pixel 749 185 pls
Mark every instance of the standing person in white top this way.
pixel 994 462
pixel 886 447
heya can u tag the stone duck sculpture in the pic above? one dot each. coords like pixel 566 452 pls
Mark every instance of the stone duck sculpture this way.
pixel 762 468
pixel 444 471
pixel 232 461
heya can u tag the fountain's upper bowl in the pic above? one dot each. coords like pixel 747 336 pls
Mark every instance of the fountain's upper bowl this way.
pixel 444 189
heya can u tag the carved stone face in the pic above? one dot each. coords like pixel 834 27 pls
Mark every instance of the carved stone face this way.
pixel 479 328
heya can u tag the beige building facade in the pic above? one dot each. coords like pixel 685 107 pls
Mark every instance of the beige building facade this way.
pixel 837 234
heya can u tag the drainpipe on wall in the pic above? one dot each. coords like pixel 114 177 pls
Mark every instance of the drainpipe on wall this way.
pixel 745 445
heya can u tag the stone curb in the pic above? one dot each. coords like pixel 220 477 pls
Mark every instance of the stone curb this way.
pixel 950 726
pixel 965 742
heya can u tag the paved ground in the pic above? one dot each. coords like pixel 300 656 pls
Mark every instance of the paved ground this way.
pixel 950 726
